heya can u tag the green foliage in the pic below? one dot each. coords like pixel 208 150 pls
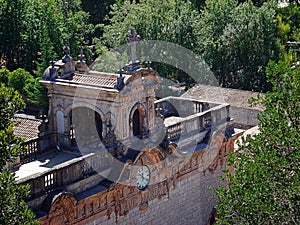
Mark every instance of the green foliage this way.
pixel 18 79
pixel 30 88
pixel 283 29
pixel 170 20
pixel 28 28
pixel 108 61
pixel 48 26
pixel 288 28
pixel 10 103
pixel 58 24
pixel 36 93
pixel 237 41
pixel 258 3
pixel 4 75
pixel 99 9
pixel 265 186
pixel 12 14
pixel 165 20
pixel 13 209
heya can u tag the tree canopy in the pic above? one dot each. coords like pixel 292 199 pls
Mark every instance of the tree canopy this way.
pixel 164 20
pixel 236 38
pixel 18 79
pixel 265 185
pixel 33 31
pixel 237 41
pixel 13 209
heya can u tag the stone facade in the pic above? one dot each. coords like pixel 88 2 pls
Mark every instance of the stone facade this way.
pixel 183 197
pixel 115 127
pixel 99 92
pixel 245 116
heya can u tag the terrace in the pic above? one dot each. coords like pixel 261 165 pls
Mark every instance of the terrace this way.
pixel 188 123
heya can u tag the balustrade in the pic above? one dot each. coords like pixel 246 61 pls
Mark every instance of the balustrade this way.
pixel 63 174
pixel 29 151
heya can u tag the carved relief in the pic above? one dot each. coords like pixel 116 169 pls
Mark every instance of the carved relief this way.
pixel 120 199
pixel 62 209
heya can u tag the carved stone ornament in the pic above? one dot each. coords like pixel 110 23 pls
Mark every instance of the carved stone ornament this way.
pixel 62 209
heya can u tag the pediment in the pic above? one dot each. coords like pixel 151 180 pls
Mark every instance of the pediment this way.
pixel 149 76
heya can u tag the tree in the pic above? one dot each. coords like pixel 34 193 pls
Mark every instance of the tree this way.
pixel 13 209
pixel 18 80
pixel 25 24
pixel 170 20
pixel 12 14
pixel 4 75
pixel 288 28
pixel 163 20
pixel 237 41
pixel 51 25
pixel 29 87
pixel 265 185
pixel 37 94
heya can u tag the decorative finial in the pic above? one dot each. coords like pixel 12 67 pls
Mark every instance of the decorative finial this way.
pixel 120 80
pixel 81 56
pixel 109 125
pixel 52 62
pixel 148 63
pixel 81 63
pixel 121 71
pixel 52 69
pixel 67 49
pixel 132 39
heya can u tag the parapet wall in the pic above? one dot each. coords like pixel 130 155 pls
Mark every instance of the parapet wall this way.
pixel 188 202
pixel 182 197
pixel 244 118
pixel 183 107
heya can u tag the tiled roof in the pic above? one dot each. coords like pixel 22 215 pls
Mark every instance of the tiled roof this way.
pixel 234 97
pixel 26 126
pixel 95 80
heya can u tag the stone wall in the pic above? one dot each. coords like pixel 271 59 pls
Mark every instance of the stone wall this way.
pixel 244 118
pixel 183 195
pixel 189 202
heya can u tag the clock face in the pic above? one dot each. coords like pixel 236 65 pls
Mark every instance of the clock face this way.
pixel 143 177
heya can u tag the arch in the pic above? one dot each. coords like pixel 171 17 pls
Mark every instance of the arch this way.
pixel 137 120
pixel 136 123
pixel 83 104
pixel 86 126
pixel 89 128
pixel 58 108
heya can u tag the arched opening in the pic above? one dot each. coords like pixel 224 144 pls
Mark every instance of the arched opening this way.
pixel 136 123
pixel 99 125
pixel 86 126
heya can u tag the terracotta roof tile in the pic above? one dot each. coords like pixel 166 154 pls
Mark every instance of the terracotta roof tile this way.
pixel 234 97
pixel 108 82
pixel 26 126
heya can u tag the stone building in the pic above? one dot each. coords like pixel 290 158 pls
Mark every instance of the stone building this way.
pixel 109 153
